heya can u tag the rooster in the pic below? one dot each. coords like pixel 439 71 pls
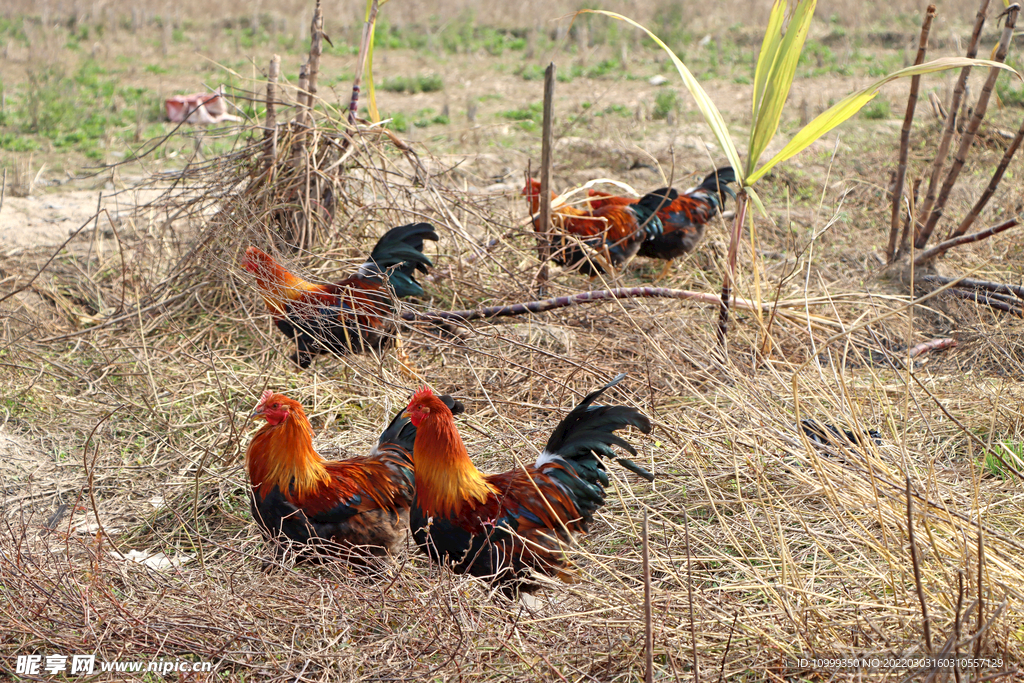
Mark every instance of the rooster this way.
pixel 352 315
pixel 615 230
pixel 685 215
pixel 357 507
pixel 597 199
pixel 505 527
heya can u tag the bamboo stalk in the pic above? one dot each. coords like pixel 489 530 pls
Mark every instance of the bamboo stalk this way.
pixel 364 51
pixel 911 219
pixel 689 593
pixel 544 226
pixel 981 593
pixel 270 132
pixel 992 185
pixel 648 625
pixel 978 284
pixel 942 247
pixel 908 121
pixel 505 311
pixel 967 139
pixel 947 133
pixel 987 299
pixel 316 48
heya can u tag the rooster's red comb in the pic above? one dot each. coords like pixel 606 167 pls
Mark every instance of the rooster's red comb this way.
pixel 264 398
pixel 423 394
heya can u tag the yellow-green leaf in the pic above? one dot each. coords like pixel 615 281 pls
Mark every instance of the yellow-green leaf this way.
pixel 851 104
pixel 712 116
pixel 769 50
pixel 756 200
pixel 778 82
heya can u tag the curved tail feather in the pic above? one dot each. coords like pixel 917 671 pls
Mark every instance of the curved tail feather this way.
pixel 589 431
pixel 399 252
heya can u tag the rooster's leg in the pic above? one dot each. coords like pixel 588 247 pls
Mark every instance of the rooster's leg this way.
pixel 408 369
pixel 664 271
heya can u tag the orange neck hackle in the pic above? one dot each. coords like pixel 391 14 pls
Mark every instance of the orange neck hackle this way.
pixel 532 193
pixel 448 484
pixel 281 454
pixel 277 285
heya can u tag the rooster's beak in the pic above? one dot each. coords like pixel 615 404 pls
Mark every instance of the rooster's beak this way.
pixel 256 412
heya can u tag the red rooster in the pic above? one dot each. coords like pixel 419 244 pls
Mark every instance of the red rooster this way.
pixel 506 526
pixel 351 315
pixel 615 230
pixel 354 507
pixel 597 199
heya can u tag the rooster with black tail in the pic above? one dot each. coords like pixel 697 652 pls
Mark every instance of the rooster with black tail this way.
pixel 685 215
pixel 352 315
pixel 506 527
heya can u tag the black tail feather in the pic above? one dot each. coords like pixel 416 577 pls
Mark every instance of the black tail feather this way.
pixel 589 431
pixel 401 250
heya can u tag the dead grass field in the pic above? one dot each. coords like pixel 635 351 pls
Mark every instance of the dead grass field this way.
pixel 132 355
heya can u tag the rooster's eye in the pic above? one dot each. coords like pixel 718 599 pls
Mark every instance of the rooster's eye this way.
pixel 276 405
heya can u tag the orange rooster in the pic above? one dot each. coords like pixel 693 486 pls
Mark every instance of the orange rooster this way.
pixel 506 526
pixel 615 230
pixel 354 314
pixel 597 199
pixel 356 508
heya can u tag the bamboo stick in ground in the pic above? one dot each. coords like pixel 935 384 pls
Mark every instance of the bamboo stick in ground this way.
pixel 270 133
pixel 972 128
pixel 316 46
pixel 992 185
pixel 908 121
pixel 544 227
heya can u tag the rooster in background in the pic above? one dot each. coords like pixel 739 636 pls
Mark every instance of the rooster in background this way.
pixel 615 230
pixel 685 215
pixel 506 526
pixel 598 199
pixel 357 507
pixel 348 316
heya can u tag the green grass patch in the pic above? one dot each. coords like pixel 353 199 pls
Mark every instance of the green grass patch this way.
pixel 413 84
pixel 665 102
pixel 877 110
pixel 1012 453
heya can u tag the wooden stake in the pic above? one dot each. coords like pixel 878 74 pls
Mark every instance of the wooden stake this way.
pixel 544 247
pixel 270 133
pixel 316 48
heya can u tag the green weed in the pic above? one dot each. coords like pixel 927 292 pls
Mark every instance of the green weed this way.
pixel 877 110
pixel 413 84
pixel 527 118
pixel 1012 453
pixel 665 102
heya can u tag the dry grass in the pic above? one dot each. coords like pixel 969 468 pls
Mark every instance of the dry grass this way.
pixel 130 362
pixel 135 419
